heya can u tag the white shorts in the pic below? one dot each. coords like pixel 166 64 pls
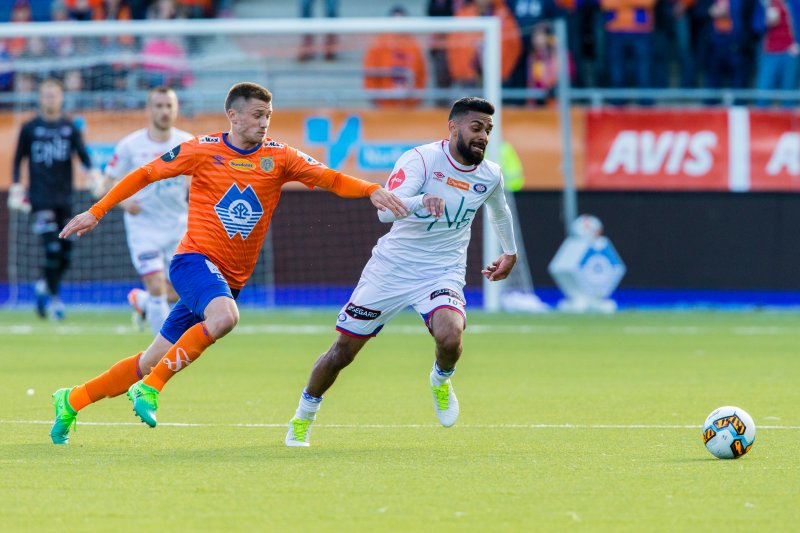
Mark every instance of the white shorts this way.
pixel 372 305
pixel 152 251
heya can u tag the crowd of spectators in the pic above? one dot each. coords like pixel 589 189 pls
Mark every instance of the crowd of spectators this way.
pixel 101 65
pixel 612 43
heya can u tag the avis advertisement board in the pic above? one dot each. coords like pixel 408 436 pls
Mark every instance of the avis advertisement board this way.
pixel 734 149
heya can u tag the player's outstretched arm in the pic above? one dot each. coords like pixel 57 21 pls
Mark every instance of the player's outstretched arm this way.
pixel 501 268
pixel 80 225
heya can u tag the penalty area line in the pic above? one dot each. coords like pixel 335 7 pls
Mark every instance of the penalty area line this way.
pixel 394 426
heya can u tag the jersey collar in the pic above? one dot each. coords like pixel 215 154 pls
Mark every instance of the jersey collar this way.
pixel 237 150
pixel 455 164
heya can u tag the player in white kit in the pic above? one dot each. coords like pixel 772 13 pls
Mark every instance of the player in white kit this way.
pixel 421 262
pixel 155 217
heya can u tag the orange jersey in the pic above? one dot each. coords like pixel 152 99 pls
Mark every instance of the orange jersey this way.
pixel 233 195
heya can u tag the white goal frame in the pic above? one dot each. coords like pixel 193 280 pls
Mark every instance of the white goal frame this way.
pixel 489 27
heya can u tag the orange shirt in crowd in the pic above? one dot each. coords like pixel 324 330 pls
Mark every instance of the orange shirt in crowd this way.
pixel 233 195
pixel 463 56
pixel 395 51
pixel 628 16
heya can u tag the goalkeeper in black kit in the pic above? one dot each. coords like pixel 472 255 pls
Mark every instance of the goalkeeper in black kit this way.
pixel 48 142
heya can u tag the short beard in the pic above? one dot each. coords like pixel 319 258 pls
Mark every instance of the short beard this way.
pixel 466 154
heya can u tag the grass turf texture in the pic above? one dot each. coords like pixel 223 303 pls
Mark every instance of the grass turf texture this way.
pixel 379 461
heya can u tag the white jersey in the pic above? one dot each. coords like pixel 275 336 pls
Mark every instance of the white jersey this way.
pixel 418 247
pixel 164 204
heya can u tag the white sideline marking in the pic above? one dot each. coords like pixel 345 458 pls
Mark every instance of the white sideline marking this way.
pixel 474 329
pixel 394 426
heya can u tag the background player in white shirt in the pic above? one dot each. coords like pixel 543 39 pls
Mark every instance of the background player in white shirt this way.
pixel 155 217
pixel 421 262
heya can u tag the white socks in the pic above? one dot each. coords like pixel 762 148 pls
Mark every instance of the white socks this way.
pixel 308 406
pixel 438 377
pixel 156 310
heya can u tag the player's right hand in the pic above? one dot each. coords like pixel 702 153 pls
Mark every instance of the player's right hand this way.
pixel 383 200
pixel 434 204
pixel 80 225
pixel 17 199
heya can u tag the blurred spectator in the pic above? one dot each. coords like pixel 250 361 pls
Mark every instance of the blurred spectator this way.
pixel 438 48
pixel 307 51
pixel 395 61
pixel 528 13
pixel 139 8
pixel 542 62
pixel 164 62
pixel 6 72
pixel 727 40
pixel 20 12
pixel 778 59
pixel 629 29
pixel 84 9
pixel 464 49
pixel 196 9
pixel 672 39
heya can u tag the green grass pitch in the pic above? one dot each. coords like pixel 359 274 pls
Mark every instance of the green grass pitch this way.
pixel 568 423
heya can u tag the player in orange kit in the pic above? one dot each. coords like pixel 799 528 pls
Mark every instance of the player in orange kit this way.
pixel 236 183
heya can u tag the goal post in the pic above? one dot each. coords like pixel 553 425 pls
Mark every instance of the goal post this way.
pixel 211 33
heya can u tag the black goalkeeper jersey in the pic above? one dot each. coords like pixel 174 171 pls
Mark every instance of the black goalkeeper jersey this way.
pixel 49 147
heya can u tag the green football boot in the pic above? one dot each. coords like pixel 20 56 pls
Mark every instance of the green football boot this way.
pixel 445 403
pixel 66 417
pixel 299 432
pixel 145 402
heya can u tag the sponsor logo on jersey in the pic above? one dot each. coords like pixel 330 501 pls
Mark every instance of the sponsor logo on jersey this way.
pixel 273 144
pixel 310 160
pixel 396 179
pixel 239 211
pixel 438 176
pixel 172 154
pixel 267 164
pixel 113 161
pixel 479 188
pixel 342 317
pixel 207 139
pixel 463 185
pixel 146 256
pixel 361 313
pixel 241 164
pixel 446 292
pixel 218 159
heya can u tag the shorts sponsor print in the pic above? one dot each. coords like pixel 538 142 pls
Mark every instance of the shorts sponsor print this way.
pixel 373 305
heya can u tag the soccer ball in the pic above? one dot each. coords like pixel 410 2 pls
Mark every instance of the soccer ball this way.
pixel 729 432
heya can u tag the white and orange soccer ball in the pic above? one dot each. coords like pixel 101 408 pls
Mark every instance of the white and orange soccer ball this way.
pixel 729 432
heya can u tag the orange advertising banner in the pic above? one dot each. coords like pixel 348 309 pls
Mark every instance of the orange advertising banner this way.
pixel 774 150
pixel 364 143
pixel 657 149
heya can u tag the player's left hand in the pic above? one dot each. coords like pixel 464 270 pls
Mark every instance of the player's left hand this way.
pixel 80 225
pixel 500 269
pixel 383 200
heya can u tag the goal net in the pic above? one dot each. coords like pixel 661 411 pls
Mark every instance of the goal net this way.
pixel 331 100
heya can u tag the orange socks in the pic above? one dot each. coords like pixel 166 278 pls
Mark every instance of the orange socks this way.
pixel 110 383
pixel 188 348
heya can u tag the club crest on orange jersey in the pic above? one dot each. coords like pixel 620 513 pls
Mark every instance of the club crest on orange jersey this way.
pixel 267 164
pixel 241 164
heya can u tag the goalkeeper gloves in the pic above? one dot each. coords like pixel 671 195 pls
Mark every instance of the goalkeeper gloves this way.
pixel 98 185
pixel 18 199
